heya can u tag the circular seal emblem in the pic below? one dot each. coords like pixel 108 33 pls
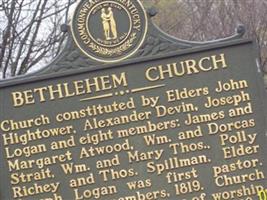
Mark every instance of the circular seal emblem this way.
pixel 109 30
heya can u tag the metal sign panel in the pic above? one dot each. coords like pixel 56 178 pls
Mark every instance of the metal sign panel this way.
pixel 188 125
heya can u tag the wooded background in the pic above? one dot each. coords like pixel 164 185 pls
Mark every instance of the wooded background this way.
pixel 30 35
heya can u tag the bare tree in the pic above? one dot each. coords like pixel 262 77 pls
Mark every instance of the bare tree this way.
pixel 213 19
pixel 30 33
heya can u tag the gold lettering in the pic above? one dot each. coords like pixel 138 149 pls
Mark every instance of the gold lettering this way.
pixel 186 67
pixel 66 90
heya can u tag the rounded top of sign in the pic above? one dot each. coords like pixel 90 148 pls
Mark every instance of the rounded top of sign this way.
pixel 109 30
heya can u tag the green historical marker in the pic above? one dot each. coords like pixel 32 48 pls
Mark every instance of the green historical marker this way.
pixel 127 112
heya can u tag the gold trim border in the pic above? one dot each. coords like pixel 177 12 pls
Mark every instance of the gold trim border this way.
pixel 115 60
